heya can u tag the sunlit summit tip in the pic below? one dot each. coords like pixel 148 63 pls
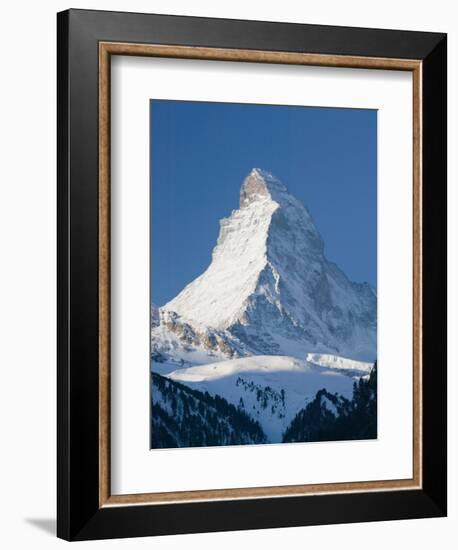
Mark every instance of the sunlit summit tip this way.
pixel 259 184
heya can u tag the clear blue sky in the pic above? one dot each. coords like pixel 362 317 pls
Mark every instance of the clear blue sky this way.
pixel 201 152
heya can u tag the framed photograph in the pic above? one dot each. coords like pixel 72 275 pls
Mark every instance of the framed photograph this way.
pixel 252 274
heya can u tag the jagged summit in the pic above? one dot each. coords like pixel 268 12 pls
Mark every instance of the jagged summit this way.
pixel 260 184
pixel 270 287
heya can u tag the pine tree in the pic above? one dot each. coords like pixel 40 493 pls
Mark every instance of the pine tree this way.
pixel 356 419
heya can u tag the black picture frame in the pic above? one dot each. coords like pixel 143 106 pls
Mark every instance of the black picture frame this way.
pixel 80 516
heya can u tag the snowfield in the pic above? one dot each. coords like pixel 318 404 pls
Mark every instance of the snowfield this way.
pixel 271 389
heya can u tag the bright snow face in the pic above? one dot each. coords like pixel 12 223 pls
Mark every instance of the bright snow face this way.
pixel 270 289
pixel 218 298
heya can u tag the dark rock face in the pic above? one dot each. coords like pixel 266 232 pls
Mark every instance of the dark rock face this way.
pixel 254 187
pixel 171 335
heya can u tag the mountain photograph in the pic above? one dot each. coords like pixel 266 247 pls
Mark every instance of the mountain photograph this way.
pixel 257 337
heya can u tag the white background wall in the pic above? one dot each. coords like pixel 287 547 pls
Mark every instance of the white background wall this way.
pixel 27 270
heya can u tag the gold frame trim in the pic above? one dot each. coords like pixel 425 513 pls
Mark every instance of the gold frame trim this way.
pixel 106 50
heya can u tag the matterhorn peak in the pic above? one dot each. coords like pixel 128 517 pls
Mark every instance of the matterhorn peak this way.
pixel 270 285
pixel 260 184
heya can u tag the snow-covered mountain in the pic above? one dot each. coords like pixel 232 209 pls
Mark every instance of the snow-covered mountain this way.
pixel 269 290
pixel 267 344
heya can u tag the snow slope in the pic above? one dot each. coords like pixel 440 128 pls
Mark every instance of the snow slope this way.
pixel 271 389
